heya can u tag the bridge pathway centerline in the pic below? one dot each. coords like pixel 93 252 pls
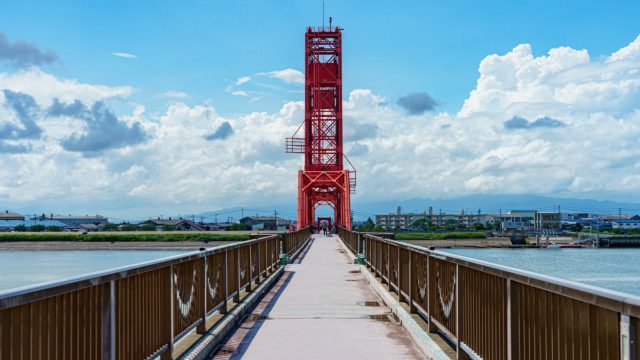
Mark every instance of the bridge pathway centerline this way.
pixel 316 311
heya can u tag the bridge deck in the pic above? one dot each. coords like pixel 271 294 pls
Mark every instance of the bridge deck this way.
pixel 317 310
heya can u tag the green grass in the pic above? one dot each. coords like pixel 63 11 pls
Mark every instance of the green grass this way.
pixel 441 236
pixel 108 237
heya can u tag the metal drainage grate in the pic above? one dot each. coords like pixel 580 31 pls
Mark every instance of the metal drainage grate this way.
pixel 255 317
pixel 369 303
pixel 380 317
pixel 354 271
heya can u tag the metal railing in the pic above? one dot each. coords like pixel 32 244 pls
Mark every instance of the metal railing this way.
pixel 491 311
pixel 136 311
pixel 293 241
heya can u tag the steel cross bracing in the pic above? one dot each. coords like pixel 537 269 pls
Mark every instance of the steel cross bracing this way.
pixel 324 180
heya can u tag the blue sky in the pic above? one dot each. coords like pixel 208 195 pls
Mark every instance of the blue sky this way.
pixel 138 109
pixel 393 49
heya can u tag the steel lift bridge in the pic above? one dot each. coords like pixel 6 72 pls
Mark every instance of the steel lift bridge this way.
pixel 324 180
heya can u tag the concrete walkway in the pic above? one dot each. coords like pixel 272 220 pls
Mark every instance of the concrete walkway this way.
pixel 317 311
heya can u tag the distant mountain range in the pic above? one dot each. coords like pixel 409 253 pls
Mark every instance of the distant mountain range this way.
pixel 470 204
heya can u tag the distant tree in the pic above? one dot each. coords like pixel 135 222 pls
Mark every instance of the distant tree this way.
pixel 449 226
pixel 370 226
pixel 478 226
pixel 37 228
pixel 577 227
pixel 239 227
pixel 147 227
pixel 129 227
pixel 488 226
pixel 20 228
pixel 55 228
pixel 109 227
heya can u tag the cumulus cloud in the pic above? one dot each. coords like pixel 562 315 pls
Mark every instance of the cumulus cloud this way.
pixel 222 132
pixel 103 130
pixel 417 103
pixel 518 122
pixel 289 76
pixel 23 54
pixel 595 154
pixel 239 93
pixel 25 109
pixel 124 55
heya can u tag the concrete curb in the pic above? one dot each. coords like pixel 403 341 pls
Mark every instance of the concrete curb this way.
pixel 230 322
pixel 422 339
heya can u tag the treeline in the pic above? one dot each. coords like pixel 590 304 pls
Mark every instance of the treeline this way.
pixel 117 237
pixel 441 236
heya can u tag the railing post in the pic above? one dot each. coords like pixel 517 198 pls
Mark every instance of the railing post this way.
pixel 236 298
pixel 250 275
pixel 509 334
pixel 459 354
pixel 168 329
pixel 625 338
pixel 399 279
pixel 412 307
pixel 108 322
pixel 202 327
pixel 259 262
pixel 223 307
pixel 430 283
pixel 389 286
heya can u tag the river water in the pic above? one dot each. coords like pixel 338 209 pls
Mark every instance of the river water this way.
pixel 616 269
pixel 20 268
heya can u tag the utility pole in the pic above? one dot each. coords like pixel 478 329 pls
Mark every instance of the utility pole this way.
pixel 216 218
pixel 242 213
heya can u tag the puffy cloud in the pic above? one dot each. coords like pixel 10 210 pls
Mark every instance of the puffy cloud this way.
pixel 239 93
pixel 517 122
pixel 23 54
pixel 289 76
pixel 222 132
pixel 595 154
pixel 44 87
pixel 103 129
pixel 243 80
pixel 417 103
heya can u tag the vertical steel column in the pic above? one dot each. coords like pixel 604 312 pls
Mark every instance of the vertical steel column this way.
pixel 202 327
pixel 108 322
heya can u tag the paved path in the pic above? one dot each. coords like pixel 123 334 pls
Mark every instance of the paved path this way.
pixel 317 311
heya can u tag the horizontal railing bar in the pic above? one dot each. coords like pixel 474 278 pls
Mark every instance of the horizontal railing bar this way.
pixel 610 299
pixel 17 296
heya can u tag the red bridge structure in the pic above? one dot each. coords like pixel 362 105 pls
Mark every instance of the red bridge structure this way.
pixel 324 180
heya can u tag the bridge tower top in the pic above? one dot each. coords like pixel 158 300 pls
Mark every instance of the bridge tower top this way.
pixel 324 180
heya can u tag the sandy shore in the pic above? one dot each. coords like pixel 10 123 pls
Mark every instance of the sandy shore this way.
pixel 449 243
pixel 78 245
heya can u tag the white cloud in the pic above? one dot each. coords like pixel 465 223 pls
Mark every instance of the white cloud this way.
pixel 124 55
pixel 175 94
pixel 239 93
pixel 243 80
pixel 289 76
pixel 596 154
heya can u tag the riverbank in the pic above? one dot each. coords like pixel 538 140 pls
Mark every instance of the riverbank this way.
pixel 492 242
pixel 129 245
pixel 134 236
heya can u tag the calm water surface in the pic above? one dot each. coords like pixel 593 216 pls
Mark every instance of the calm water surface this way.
pixel 616 269
pixel 19 268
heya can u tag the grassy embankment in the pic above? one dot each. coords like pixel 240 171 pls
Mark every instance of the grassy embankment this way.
pixel 441 236
pixel 120 237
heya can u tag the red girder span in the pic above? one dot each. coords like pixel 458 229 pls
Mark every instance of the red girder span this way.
pixel 324 181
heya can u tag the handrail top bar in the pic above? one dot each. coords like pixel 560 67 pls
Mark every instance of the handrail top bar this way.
pixel 628 302
pixel 28 293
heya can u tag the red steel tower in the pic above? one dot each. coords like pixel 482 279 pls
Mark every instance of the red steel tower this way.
pixel 324 180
